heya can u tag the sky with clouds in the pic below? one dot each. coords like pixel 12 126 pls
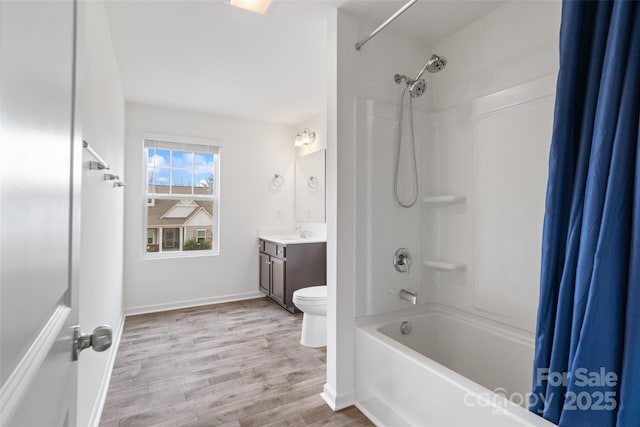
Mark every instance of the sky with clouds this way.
pixel 178 168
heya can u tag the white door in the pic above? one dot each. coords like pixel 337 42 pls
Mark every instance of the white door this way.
pixel 40 159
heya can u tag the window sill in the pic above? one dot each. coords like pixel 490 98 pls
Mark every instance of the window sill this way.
pixel 178 255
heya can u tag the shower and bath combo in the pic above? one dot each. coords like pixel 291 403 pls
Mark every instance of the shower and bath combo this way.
pixel 416 88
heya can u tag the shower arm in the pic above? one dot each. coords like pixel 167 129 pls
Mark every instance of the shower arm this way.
pixel 398 78
pixel 421 72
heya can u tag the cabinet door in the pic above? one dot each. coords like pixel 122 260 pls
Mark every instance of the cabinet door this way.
pixel 277 280
pixel 265 273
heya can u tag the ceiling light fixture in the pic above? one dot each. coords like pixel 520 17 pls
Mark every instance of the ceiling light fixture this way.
pixel 305 138
pixel 257 6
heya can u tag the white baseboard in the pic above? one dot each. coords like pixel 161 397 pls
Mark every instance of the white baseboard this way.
pixel 154 308
pixel 337 401
pixel 367 413
pixel 98 406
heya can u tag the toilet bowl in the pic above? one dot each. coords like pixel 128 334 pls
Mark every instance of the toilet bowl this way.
pixel 313 303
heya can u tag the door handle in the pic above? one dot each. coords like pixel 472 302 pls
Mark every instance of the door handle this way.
pixel 99 340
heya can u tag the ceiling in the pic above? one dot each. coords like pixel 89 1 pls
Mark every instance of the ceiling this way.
pixel 208 56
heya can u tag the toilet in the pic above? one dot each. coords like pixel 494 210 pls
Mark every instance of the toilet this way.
pixel 313 303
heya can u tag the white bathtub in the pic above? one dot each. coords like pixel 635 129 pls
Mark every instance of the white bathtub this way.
pixel 444 372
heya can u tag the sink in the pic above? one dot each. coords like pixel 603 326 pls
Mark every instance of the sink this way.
pixel 290 238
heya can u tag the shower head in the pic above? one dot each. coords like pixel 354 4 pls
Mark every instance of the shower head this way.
pixel 418 85
pixel 417 88
pixel 435 64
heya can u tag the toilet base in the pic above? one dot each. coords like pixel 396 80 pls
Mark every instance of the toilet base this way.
pixel 314 330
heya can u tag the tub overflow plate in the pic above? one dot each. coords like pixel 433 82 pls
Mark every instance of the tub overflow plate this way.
pixel 405 328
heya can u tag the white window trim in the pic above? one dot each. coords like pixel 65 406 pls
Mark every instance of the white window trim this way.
pixel 214 142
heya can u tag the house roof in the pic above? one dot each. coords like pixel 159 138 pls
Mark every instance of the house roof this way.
pixel 157 213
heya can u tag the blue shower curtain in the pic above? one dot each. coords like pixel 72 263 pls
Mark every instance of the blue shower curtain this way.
pixel 587 358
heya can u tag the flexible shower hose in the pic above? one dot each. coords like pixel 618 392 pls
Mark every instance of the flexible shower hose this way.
pixel 413 150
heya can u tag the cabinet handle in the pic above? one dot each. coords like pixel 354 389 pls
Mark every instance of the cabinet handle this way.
pixel 268 262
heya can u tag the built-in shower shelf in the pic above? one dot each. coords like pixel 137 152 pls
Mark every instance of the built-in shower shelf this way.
pixel 444 200
pixel 444 265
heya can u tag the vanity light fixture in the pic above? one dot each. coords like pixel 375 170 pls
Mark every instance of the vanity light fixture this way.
pixel 305 138
pixel 257 6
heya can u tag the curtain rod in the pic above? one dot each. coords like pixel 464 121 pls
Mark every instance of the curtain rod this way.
pixel 385 23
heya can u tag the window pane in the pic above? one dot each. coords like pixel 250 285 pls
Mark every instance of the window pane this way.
pixel 203 162
pixel 180 225
pixel 159 180
pixel 181 181
pixel 181 160
pixel 204 183
pixel 160 159
pixel 150 153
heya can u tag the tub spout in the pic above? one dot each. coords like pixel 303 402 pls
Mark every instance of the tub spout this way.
pixel 411 296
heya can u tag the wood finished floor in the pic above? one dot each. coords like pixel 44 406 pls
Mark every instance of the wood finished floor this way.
pixel 233 364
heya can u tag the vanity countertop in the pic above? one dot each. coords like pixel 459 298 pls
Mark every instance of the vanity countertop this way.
pixel 290 239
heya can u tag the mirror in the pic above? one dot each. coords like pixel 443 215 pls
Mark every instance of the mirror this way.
pixel 310 187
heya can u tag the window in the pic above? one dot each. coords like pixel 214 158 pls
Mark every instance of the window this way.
pixel 181 197
pixel 151 236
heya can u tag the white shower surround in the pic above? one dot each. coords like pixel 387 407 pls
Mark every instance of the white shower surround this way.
pixel 444 372
pixel 481 251
pixel 480 215
pixel 399 380
pixel 383 225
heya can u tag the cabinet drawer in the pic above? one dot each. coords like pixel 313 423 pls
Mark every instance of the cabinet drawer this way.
pixel 275 249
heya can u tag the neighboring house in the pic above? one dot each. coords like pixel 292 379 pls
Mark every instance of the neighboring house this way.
pixel 171 223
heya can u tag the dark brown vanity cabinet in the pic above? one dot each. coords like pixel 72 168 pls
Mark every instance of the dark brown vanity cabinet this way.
pixel 287 268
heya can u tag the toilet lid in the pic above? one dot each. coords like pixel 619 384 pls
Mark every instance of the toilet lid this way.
pixel 312 293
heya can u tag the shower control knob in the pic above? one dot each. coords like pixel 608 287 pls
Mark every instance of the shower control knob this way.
pixel 402 260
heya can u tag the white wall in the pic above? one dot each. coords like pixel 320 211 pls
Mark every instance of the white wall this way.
pixel 251 153
pixel 100 293
pixel 490 142
pixel 367 73
pixel 511 45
